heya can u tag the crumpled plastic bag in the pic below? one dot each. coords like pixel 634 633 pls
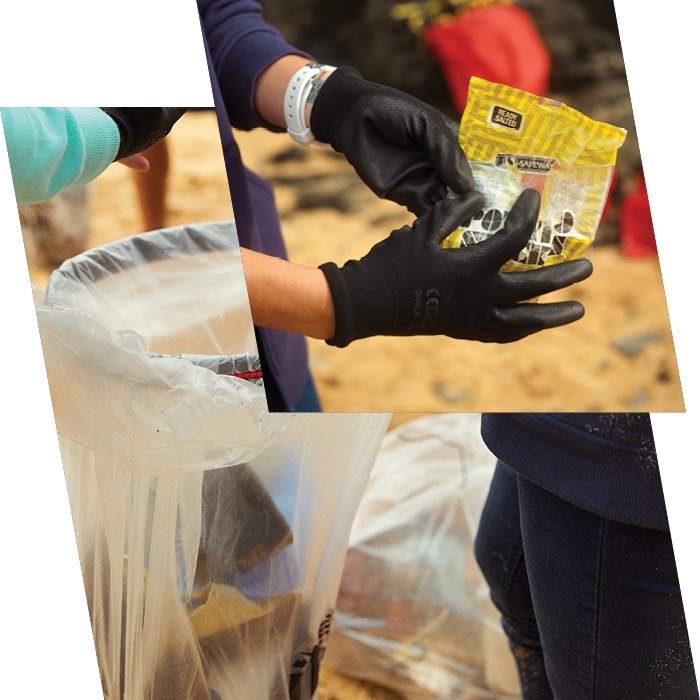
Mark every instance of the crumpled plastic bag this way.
pixel 516 140
pixel 414 612
pixel 211 533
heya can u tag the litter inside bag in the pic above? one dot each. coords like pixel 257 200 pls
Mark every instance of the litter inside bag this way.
pixel 210 532
pixel 414 612
pixel 514 140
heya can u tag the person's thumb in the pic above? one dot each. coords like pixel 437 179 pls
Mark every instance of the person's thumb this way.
pixel 505 244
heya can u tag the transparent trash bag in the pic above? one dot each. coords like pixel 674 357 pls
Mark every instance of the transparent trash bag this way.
pixel 211 533
pixel 414 613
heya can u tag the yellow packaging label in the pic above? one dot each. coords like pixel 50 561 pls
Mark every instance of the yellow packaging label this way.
pixel 514 140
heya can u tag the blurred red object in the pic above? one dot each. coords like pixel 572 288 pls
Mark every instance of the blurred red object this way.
pixel 497 42
pixel 636 227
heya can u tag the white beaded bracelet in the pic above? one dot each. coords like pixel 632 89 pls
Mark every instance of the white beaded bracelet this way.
pixel 301 90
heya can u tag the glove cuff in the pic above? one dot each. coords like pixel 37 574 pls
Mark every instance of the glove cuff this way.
pixel 128 125
pixel 365 298
pixel 301 92
pixel 141 127
pixel 339 93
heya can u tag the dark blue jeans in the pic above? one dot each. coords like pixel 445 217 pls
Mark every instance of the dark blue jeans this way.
pixel 592 608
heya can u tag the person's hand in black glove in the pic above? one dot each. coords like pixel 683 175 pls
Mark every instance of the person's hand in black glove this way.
pixel 141 127
pixel 408 285
pixel 402 148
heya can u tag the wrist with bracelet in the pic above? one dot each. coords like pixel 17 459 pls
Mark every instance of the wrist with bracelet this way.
pixel 299 97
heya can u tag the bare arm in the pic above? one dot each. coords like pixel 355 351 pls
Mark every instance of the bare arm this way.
pixel 271 85
pixel 288 297
pixel 283 295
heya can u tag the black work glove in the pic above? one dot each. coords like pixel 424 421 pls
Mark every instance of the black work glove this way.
pixel 141 127
pixel 402 148
pixel 408 285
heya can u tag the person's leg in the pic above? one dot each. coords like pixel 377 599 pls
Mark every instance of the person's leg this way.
pixel 151 186
pixel 607 603
pixel 308 401
pixel 499 551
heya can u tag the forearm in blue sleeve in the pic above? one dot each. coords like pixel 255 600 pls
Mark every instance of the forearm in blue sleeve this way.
pixel 242 45
pixel 52 148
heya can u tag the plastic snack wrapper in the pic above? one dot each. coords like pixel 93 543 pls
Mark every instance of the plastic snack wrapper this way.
pixel 514 140
pixel 414 612
pixel 211 533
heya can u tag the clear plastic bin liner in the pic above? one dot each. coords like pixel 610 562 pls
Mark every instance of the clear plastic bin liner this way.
pixel 414 612
pixel 211 533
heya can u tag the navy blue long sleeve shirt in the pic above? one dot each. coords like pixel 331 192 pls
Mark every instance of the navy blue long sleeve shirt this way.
pixel 605 463
pixel 240 46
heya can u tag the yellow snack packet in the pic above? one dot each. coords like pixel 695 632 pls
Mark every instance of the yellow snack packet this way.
pixel 514 140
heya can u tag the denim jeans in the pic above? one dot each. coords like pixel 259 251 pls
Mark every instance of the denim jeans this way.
pixel 592 608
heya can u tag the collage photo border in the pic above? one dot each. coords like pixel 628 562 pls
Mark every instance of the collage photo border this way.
pixel 93 59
